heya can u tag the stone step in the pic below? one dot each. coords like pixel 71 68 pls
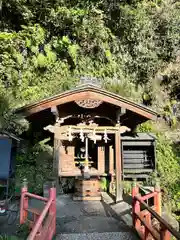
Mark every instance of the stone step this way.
pixel 98 236
pixel 123 210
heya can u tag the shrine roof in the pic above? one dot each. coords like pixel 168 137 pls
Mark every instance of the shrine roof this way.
pixel 140 136
pixel 87 91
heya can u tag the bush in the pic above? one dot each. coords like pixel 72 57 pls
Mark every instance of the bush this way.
pixel 168 166
pixel 34 164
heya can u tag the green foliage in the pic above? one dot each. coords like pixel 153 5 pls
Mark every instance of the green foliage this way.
pixel 146 127
pixel 104 183
pixel 35 164
pixel 51 43
pixel 168 166
pixel 22 231
pixel 127 186
pixel 167 162
pixel 9 121
pixel 4 237
pixel 169 114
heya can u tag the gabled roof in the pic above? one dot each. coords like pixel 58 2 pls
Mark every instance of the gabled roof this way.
pixel 87 91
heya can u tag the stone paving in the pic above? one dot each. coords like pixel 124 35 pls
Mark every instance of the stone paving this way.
pixel 97 236
pixel 9 221
pixel 82 220
pixel 89 220
pixel 82 217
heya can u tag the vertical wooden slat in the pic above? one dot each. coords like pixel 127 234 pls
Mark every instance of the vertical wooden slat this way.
pixel 111 159
pixel 101 159
pixel 118 166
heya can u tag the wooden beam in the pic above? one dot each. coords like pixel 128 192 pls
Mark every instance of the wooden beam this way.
pixel 118 166
pixel 87 93
pixel 88 129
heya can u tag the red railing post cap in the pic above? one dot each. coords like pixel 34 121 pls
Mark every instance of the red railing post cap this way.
pixel 24 183
pixel 134 183
pixel 157 184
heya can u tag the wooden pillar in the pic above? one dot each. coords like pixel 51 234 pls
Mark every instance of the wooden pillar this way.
pixel 111 169
pixel 118 166
pixel 57 144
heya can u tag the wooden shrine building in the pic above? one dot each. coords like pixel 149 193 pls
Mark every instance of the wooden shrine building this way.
pixel 93 134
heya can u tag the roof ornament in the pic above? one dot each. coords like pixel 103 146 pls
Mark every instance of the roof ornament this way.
pixel 88 103
pixel 90 80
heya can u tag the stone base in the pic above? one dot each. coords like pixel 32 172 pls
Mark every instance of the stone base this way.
pixel 171 220
pixel 87 189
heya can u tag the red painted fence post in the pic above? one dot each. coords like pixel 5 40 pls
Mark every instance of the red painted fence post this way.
pixel 24 202
pixel 157 198
pixel 52 209
pixel 135 205
pixel 165 234
pixel 134 192
pixel 148 221
pixel 135 189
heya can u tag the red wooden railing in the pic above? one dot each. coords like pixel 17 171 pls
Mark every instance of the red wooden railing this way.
pixel 147 220
pixel 43 225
